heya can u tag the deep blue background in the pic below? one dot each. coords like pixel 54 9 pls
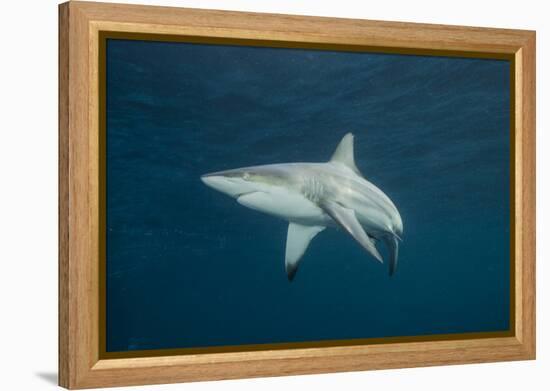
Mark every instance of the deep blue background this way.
pixel 189 267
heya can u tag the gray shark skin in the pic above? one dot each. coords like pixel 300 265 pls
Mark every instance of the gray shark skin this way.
pixel 314 196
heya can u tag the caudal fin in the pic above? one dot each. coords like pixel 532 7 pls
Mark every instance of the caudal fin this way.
pixel 393 250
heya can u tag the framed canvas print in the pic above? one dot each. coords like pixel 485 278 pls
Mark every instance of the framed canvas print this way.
pixel 249 195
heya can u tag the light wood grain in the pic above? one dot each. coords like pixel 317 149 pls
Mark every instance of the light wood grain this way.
pixel 528 188
pixel 80 23
pixel 64 325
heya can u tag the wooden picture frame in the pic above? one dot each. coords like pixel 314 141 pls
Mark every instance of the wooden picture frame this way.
pixel 81 25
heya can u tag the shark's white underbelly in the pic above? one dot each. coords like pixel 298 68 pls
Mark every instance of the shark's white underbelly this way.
pixel 287 205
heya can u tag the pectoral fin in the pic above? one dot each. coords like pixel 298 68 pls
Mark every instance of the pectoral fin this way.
pixel 348 221
pixel 297 242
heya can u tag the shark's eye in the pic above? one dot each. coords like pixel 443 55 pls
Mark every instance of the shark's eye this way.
pixel 246 176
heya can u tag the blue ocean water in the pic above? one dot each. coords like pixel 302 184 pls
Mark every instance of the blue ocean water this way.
pixel 189 267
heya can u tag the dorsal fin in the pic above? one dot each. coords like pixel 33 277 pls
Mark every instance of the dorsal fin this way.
pixel 344 153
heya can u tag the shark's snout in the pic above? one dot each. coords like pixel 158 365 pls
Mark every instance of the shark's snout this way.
pixel 208 179
pixel 218 182
pixel 227 183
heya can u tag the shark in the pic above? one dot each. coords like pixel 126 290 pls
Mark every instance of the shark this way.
pixel 314 196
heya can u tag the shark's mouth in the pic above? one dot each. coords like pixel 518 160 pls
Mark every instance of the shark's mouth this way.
pixel 246 193
pixel 253 199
